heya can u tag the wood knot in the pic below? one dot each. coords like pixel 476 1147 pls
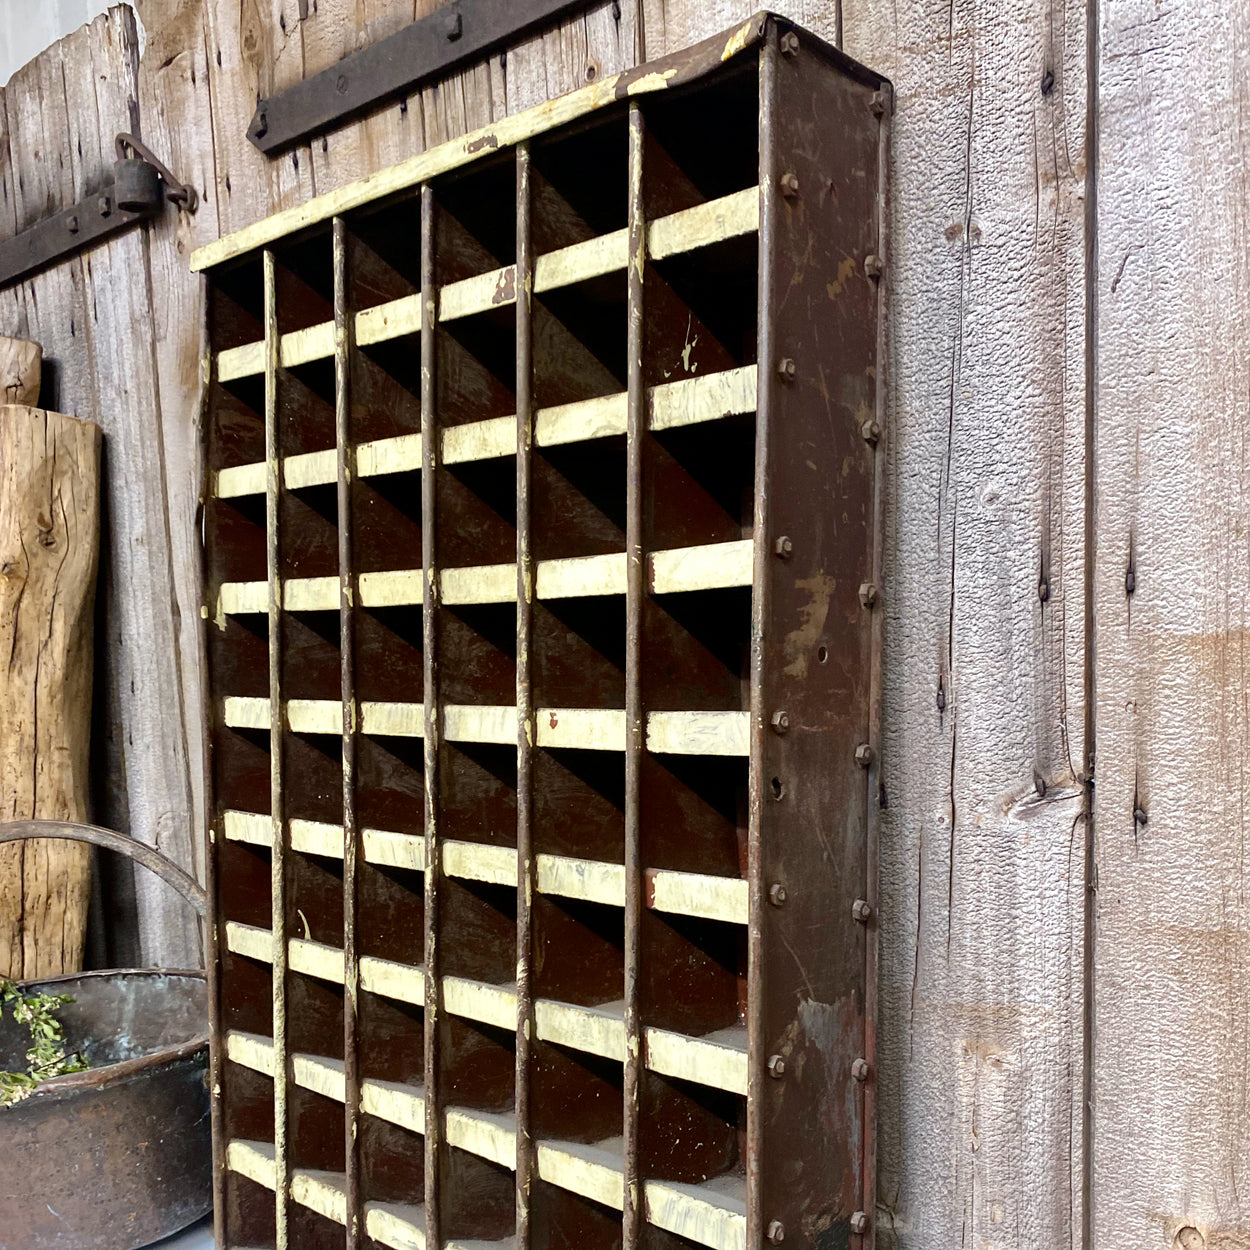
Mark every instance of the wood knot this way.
pixel 1189 1238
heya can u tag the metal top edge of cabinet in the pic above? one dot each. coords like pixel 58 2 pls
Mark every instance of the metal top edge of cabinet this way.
pixel 675 70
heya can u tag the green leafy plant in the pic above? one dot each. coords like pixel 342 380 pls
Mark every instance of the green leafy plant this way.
pixel 46 1057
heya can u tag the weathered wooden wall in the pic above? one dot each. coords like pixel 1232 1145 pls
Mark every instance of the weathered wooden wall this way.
pixel 1043 344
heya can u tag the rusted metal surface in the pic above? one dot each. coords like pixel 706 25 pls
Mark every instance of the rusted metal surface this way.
pixel 277 745
pixel 816 658
pixel 607 741
pixel 527 876
pixel 345 464
pixel 118 1156
pixel 428 390
pixel 634 730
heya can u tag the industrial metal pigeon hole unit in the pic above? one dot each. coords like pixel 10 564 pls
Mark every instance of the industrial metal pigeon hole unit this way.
pixel 541 535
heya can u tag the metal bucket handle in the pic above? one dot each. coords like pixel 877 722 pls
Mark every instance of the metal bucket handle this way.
pixel 140 852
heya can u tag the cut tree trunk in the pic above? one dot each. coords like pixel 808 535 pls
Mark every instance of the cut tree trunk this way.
pixel 49 538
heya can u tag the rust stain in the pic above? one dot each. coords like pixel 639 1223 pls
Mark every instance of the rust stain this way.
pixel 505 287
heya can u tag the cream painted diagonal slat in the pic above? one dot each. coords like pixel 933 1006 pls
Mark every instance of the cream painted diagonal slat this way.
pixel 686 401
pixel 717 221
pixel 399 1226
pixel 718 1059
pixel 682 893
pixel 587 729
pixel 682 570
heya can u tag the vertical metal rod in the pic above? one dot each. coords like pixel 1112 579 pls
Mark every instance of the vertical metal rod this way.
pixel 872 825
pixel 347 670
pixel 760 610
pixel 633 1205
pixel 273 474
pixel 433 712
pixel 212 831
pixel 524 695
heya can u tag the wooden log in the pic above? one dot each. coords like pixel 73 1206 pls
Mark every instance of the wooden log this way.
pixel 49 536
pixel 21 369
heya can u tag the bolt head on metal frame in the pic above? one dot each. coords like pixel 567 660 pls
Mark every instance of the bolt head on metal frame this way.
pixel 776 1066
pixel 868 594
pixel 780 722
pixel 776 1232
pixel 864 755
pixel 871 432
pixel 71 224
pixel 859 1069
pixel 453 26
pixel 105 205
pixel 873 266
pixel 877 104
pixel 789 184
pixel 859 1223
pixel 789 44
pixel 784 547
pixel 861 910
pixel 786 369
pixel 777 894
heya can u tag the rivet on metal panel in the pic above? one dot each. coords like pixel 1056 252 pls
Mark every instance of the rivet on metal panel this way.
pixel 789 44
pixel 871 431
pixel 340 84
pixel 777 894
pixel 776 1232
pixel 453 26
pixel 789 183
pixel 861 910
pixel 780 722
pixel 71 224
pixel 873 266
pixel 869 594
pixel 105 205
pixel 786 369
pixel 776 1066
pixel 859 1222
pixel 877 104
pixel 864 755
pixel 859 1069
pixel 784 547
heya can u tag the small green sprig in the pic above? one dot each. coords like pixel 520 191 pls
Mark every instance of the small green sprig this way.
pixel 46 1057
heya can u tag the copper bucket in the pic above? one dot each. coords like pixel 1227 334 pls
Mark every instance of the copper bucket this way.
pixel 118 1156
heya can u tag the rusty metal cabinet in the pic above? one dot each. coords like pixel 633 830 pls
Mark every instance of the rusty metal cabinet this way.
pixel 541 534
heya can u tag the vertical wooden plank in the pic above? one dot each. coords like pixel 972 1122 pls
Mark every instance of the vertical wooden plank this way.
pixel 175 113
pixel 433 713
pixel 633 1214
pixel 273 478
pixel 526 727
pixel 143 670
pixel 256 48
pixel 1171 1035
pixel 982 836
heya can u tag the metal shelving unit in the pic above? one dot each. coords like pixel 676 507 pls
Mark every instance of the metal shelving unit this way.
pixel 542 536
